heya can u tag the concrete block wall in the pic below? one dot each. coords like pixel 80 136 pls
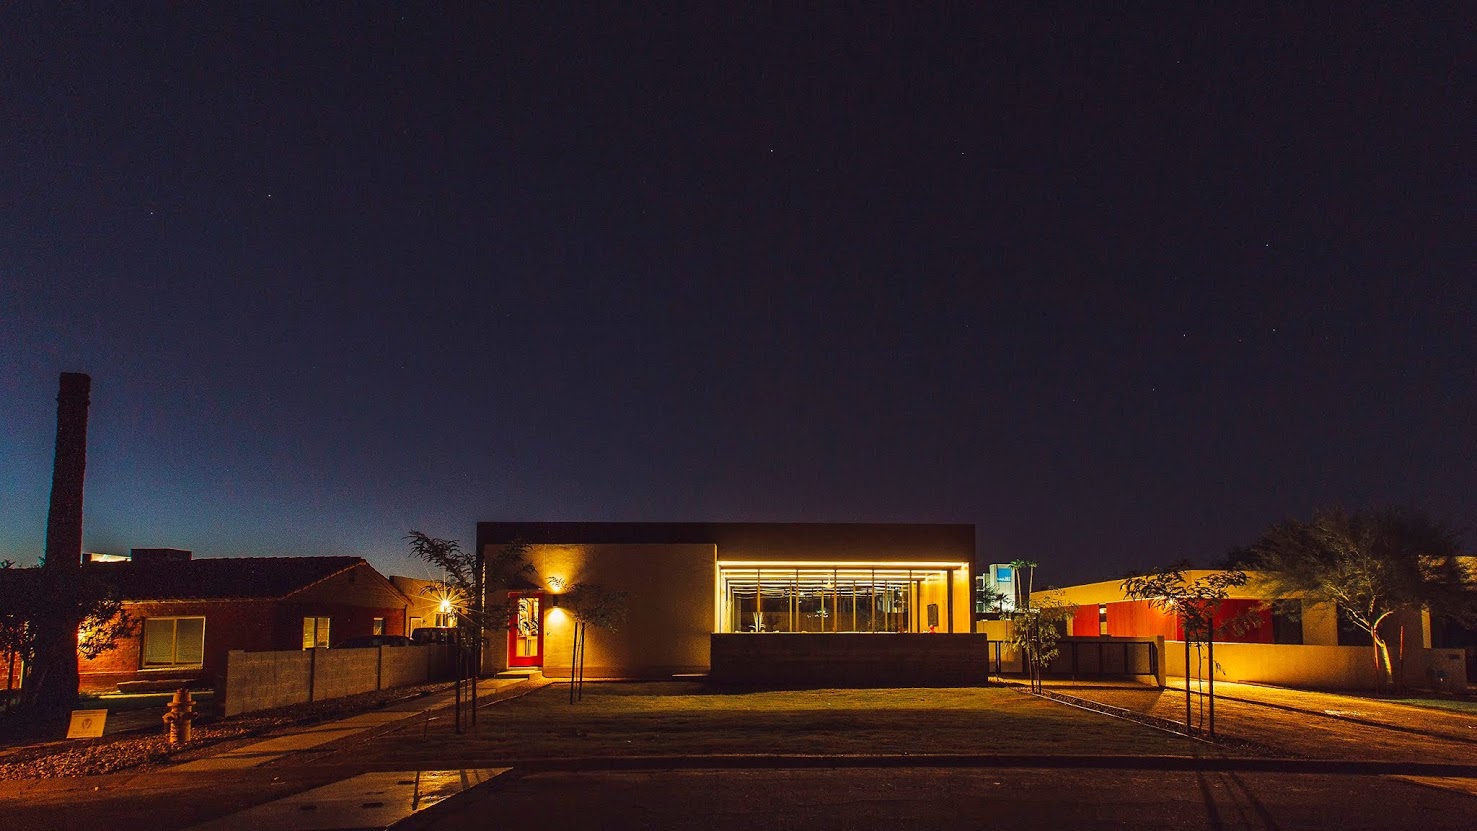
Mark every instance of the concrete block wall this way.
pixel 343 672
pixel 403 666
pixel 851 660
pixel 264 680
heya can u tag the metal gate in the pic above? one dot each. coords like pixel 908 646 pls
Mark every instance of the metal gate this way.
pixel 1105 658
pixel 1089 658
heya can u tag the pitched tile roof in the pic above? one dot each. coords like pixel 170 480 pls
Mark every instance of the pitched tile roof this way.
pixel 219 578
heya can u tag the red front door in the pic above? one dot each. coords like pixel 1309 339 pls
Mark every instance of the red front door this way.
pixel 526 632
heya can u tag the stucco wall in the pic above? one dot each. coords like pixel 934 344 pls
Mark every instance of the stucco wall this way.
pixel 845 542
pixel 421 598
pixel 851 660
pixel 1320 667
pixel 669 608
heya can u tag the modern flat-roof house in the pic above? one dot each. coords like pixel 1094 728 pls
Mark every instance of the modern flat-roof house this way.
pixel 1295 642
pixel 813 602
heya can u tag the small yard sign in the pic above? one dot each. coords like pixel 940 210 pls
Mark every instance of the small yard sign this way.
pixel 87 724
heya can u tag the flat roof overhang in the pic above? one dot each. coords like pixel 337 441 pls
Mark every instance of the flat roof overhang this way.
pixel 777 542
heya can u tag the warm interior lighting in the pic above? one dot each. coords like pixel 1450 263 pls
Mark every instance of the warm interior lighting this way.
pixel 837 596
pixel 903 565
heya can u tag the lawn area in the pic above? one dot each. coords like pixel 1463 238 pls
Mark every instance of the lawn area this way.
pixel 1460 705
pixel 621 719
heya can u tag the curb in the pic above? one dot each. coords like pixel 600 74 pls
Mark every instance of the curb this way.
pixel 581 764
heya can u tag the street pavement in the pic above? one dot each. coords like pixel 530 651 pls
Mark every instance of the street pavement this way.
pixel 1004 798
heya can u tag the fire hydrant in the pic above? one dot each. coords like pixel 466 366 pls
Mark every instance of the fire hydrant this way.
pixel 181 711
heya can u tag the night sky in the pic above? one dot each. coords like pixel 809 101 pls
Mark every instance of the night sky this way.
pixel 1119 291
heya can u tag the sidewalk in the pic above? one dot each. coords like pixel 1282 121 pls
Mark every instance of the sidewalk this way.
pixel 224 779
pixel 298 739
pixel 1305 724
pixel 1371 712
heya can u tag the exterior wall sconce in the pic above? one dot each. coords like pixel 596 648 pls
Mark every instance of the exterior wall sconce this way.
pixel 554 600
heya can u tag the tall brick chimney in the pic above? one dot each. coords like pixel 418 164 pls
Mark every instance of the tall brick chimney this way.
pixel 64 523
pixel 53 679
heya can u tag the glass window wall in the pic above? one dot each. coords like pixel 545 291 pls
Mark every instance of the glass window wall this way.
pixel 834 599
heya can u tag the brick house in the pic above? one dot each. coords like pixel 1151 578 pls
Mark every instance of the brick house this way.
pixel 191 612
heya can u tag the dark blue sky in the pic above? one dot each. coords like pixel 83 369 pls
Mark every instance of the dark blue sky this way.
pixel 1117 290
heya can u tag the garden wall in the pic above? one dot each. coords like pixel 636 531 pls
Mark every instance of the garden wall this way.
pixel 1322 667
pixel 882 659
pixel 264 680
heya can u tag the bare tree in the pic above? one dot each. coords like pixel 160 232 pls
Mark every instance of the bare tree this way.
pixel 1196 603
pixel 589 604
pixel 482 580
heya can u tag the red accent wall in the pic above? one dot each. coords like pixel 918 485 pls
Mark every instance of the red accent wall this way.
pixel 1230 609
pixel 1085 621
pixel 1137 619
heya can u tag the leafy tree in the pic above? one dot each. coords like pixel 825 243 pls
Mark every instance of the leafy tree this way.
pixel 29 596
pixel 484 580
pixel 1196 604
pixel 1036 627
pixel 589 604
pixel 1373 565
pixel 17 635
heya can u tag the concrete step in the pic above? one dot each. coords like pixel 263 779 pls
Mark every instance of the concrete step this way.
pixel 521 674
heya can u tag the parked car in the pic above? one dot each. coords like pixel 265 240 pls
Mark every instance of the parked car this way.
pixel 366 641
pixel 436 634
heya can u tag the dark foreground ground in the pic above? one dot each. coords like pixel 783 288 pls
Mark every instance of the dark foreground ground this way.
pixel 729 761
pixel 917 798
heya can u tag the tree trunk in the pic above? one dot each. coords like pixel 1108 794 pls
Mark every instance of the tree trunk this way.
pixel 574 659
pixel 1382 667
pixel 55 682
pixel 1400 662
pixel 1188 729
pixel 584 633
pixel 1210 669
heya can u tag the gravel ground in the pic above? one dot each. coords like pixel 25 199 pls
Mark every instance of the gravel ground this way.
pixel 146 750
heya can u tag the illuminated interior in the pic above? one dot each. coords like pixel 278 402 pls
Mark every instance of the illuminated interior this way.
pixel 837 597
